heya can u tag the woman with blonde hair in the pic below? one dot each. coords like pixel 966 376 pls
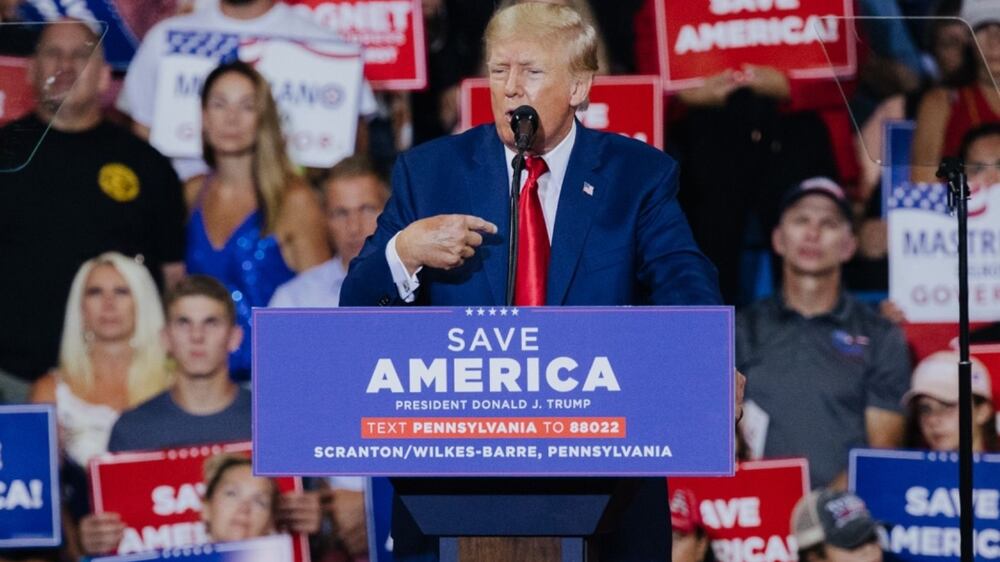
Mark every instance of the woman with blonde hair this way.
pixel 110 357
pixel 254 222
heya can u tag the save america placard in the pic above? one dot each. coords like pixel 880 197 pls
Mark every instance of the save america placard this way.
pixel 494 391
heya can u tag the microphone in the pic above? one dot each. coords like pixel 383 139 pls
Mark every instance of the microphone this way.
pixel 524 123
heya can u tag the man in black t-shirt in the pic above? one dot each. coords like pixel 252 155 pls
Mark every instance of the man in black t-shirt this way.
pixel 88 187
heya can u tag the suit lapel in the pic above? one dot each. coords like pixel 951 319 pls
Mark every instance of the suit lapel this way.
pixel 489 193
pixel 574 214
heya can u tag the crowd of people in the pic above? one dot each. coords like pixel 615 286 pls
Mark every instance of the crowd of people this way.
pixel 130 277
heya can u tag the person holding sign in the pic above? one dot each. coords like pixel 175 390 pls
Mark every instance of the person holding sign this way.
pixel 237 505
pixel 254 222
pixel 204 405
pixel 245 19
pixel 932 402
pixel 599 219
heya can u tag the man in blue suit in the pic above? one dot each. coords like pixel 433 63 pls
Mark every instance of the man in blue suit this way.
pixel 599 219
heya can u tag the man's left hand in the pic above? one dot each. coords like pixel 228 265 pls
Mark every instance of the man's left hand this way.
pixel 299 512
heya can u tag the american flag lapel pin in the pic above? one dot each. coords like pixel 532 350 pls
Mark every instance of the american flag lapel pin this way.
pixel 588 189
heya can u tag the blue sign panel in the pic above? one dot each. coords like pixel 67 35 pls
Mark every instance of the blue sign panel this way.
pixel 29 482
pixel 494 391
pixel 915 495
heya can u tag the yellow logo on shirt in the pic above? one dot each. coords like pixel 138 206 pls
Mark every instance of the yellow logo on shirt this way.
pixel 118 182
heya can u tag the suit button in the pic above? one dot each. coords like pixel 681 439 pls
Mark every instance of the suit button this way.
pixel 384 300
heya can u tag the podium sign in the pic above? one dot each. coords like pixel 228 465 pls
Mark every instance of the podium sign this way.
pixel 490 391
pixel 915 495
pixel 29 481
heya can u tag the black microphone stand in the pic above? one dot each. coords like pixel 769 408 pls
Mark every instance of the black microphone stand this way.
pixel 515 197
pixel 953 170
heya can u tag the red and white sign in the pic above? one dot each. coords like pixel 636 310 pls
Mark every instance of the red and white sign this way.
pixel 628 105
pixel 748 516
pixel 16 96
pixel 158 495
pixel 391 32
pixel 805 38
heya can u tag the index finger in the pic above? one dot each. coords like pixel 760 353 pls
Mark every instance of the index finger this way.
pixel 479 225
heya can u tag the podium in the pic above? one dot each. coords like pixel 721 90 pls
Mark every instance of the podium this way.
pixel 509 433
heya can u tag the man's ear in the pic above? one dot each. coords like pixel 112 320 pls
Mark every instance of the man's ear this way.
pixel 580 88
pixel 235 338
pixel 778 241
pixel 104 83
pixel 849 247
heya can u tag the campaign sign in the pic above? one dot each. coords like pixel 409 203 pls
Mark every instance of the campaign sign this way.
pixel 158 495
pixel 915 495
pixel 923 244
pixel 391 32
pixel 805 38
pixel 747 516
pixel 16 97
pixel 29 477
pixel 629 105
pixel 316 84
pixel 277 548
pixel 494 391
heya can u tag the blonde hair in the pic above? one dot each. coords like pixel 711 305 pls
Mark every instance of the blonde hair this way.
pixel 147 375
pixel 272 169
pixel 549 23
pixel 581 7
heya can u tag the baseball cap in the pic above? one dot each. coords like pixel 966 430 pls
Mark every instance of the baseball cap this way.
pixel 980 12
pixel 937 376
pixel 835 518
pixel 684 515
pixel 819 186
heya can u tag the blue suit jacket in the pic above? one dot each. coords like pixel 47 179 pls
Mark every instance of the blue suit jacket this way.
pixel 626 242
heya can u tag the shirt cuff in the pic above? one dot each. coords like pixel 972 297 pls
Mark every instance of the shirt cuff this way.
pixel 406 284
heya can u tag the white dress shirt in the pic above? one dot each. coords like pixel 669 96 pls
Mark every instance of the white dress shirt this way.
pixel 316 287
pixel 549 188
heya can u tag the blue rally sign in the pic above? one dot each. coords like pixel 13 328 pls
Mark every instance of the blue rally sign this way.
pixel 29 483
pixel 494 391
pixel 915 495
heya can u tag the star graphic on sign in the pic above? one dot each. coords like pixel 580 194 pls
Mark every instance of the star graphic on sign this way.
pixel 513 312
pixel 503 312
pixel 468 312
pixel 493 312
pixel 480 312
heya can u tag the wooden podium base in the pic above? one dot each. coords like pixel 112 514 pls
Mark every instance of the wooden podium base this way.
pixel 512 549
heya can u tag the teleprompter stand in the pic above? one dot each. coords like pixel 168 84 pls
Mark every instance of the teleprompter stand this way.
pixel 537 519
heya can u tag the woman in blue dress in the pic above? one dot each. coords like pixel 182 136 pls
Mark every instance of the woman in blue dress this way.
pixel 254 222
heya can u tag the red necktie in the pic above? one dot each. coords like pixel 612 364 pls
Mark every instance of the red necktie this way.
pixel 532 240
